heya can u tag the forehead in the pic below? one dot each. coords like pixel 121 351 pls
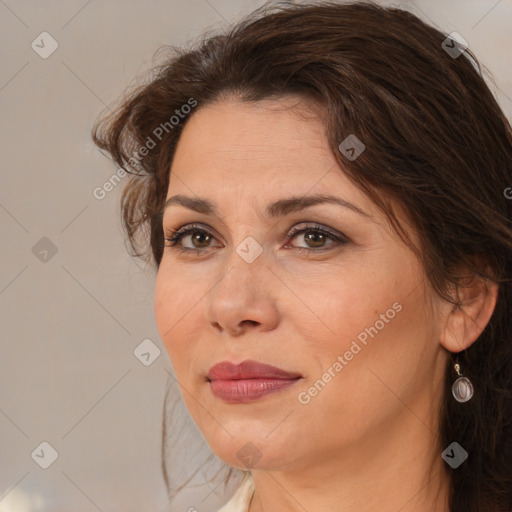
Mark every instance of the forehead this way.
pixel 254 126
pixel 271 143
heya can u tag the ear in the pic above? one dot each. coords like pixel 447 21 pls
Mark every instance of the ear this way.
pixel 465 321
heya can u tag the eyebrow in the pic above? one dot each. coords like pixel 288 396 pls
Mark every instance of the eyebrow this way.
pixel 279 208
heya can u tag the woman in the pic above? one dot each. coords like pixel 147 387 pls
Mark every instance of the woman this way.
pixel 323 189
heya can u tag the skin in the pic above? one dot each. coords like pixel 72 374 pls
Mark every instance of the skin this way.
pixel 368 440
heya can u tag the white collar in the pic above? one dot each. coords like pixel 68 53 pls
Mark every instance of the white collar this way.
pixel 242 497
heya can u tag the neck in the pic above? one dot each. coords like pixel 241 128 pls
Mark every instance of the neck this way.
pixel 405 473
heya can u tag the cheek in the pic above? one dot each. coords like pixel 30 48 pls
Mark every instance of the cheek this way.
pixel 387 350
pixel 356 374
pixel 369 315
pixel 336 303
pixel 176 305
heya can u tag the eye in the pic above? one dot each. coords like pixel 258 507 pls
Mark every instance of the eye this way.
pixel 316 236
pixel 197 234
pixel 201 238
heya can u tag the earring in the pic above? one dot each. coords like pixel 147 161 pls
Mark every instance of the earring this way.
pixel 462 388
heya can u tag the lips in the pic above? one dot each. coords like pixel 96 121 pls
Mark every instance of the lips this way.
pixel 248 370
pixel 248 381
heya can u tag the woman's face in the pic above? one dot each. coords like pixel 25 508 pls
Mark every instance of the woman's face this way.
pixel 344 307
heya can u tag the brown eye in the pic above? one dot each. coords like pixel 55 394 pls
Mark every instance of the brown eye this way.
pixel 316 236
pixel 199 238
pixel 315 239
pixel 202 239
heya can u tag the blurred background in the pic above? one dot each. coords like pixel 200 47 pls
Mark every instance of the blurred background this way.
pixel 82 370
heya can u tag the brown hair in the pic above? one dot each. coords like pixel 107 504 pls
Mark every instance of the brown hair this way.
pixel 436 142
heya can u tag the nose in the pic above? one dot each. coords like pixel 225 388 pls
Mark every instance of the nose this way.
pixel 244 297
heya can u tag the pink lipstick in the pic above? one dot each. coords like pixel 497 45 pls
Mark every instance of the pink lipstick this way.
pixel 248 381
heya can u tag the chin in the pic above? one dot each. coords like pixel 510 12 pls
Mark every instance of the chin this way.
pixel 246 452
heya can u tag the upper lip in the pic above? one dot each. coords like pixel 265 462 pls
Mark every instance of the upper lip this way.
pixel 248 370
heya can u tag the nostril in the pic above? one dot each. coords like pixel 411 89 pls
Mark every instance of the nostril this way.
pixel 252 322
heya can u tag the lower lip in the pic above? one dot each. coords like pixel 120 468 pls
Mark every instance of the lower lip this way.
pixel 248 390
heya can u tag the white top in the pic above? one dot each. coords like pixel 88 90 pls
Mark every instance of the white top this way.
pixel 242 497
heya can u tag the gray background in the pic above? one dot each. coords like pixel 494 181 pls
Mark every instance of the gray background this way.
pixel 70 321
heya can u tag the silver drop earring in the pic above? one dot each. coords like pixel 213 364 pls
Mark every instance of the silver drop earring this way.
pixel 462 388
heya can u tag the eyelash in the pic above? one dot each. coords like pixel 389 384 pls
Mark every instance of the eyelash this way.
pixel 175 237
